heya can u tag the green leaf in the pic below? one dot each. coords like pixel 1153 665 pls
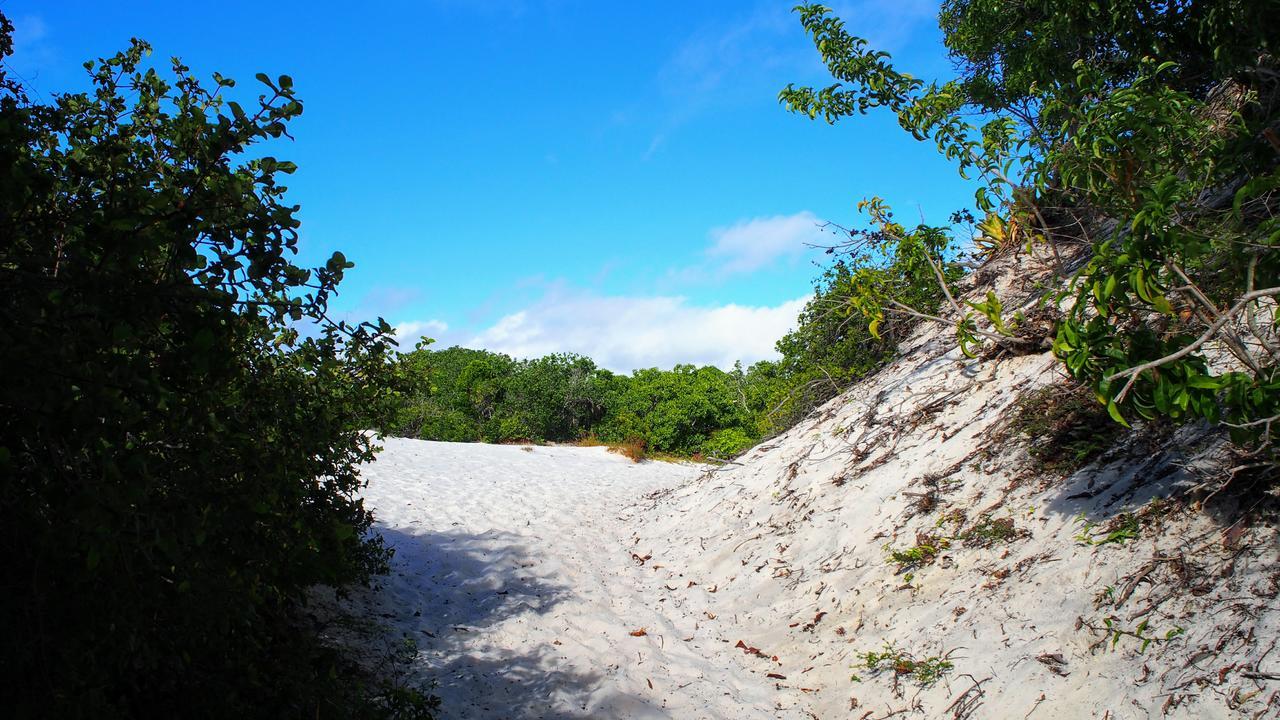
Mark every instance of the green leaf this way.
pixel 1114 412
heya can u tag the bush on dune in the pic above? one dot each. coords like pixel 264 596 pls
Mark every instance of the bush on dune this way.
pixel 1138 137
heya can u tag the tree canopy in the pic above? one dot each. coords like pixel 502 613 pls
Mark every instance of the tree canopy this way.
pixel 180 423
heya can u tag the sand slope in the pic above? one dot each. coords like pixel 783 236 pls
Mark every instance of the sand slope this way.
pixel 762 585
pixel 797 538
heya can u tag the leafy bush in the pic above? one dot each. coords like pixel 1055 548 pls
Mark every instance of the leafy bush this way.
pixel 674 411
pixel 727 442
pixel 179 459
pixel 556 397
pixel 1147 135
pixel 883 281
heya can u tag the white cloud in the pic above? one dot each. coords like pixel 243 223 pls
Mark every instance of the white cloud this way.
pixel 625 333
pixel 748 55
pixel 888 24
pixel 750 245
pixel 29 29
pixel 409 333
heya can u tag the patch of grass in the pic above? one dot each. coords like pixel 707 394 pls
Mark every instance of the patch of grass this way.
pixel 637 450
pixel 1066 427
pixel 923 552
pixel 924 671
pixel 1119 530
pixel 990 531
pixel 634 448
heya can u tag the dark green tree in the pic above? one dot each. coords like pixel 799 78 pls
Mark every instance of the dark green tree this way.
pixel 677 410
pixel 180 424
pixel 556 397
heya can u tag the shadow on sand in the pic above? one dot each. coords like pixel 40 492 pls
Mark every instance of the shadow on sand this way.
pixel 447 593
pixel 1189 463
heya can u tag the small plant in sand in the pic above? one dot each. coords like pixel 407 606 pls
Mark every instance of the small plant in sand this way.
pixel 924 671
pixel 1115 634
pixel 925 550
pixel 1065 427
pixel 634 448
pixel 990 531
pixel 1118 530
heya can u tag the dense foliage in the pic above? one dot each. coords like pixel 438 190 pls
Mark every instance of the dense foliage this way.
pixel 1146 132
pixel 467 395
pixel 177 461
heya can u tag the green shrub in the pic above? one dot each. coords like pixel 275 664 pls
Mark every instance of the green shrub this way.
pixel 180 427
pixel 727 443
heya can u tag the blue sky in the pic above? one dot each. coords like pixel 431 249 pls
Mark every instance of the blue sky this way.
pixel 614 179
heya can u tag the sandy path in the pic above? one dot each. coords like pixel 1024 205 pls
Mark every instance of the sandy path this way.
pixel 514 573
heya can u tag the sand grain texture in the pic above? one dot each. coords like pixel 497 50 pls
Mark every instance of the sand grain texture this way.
pixel 514 574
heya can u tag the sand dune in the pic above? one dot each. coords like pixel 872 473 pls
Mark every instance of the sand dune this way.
pixel 552 582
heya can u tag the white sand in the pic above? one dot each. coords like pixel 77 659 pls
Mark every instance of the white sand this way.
pixel 514 572
pixel 517 572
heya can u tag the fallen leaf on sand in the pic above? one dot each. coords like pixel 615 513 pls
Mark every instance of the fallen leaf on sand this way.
pixel 638 633
pixel 816 619
pixel 776 676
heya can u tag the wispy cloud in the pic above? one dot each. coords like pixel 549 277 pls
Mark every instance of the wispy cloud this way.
pixel 387 300
pixel 625 333
pixel 749 245
pixel 721 64
pixel 753 57
pixel 409 333
pixel 32 50
pixel 887 24
pixel 753 245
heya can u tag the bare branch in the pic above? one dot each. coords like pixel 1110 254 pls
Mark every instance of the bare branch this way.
pixel 1133 372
